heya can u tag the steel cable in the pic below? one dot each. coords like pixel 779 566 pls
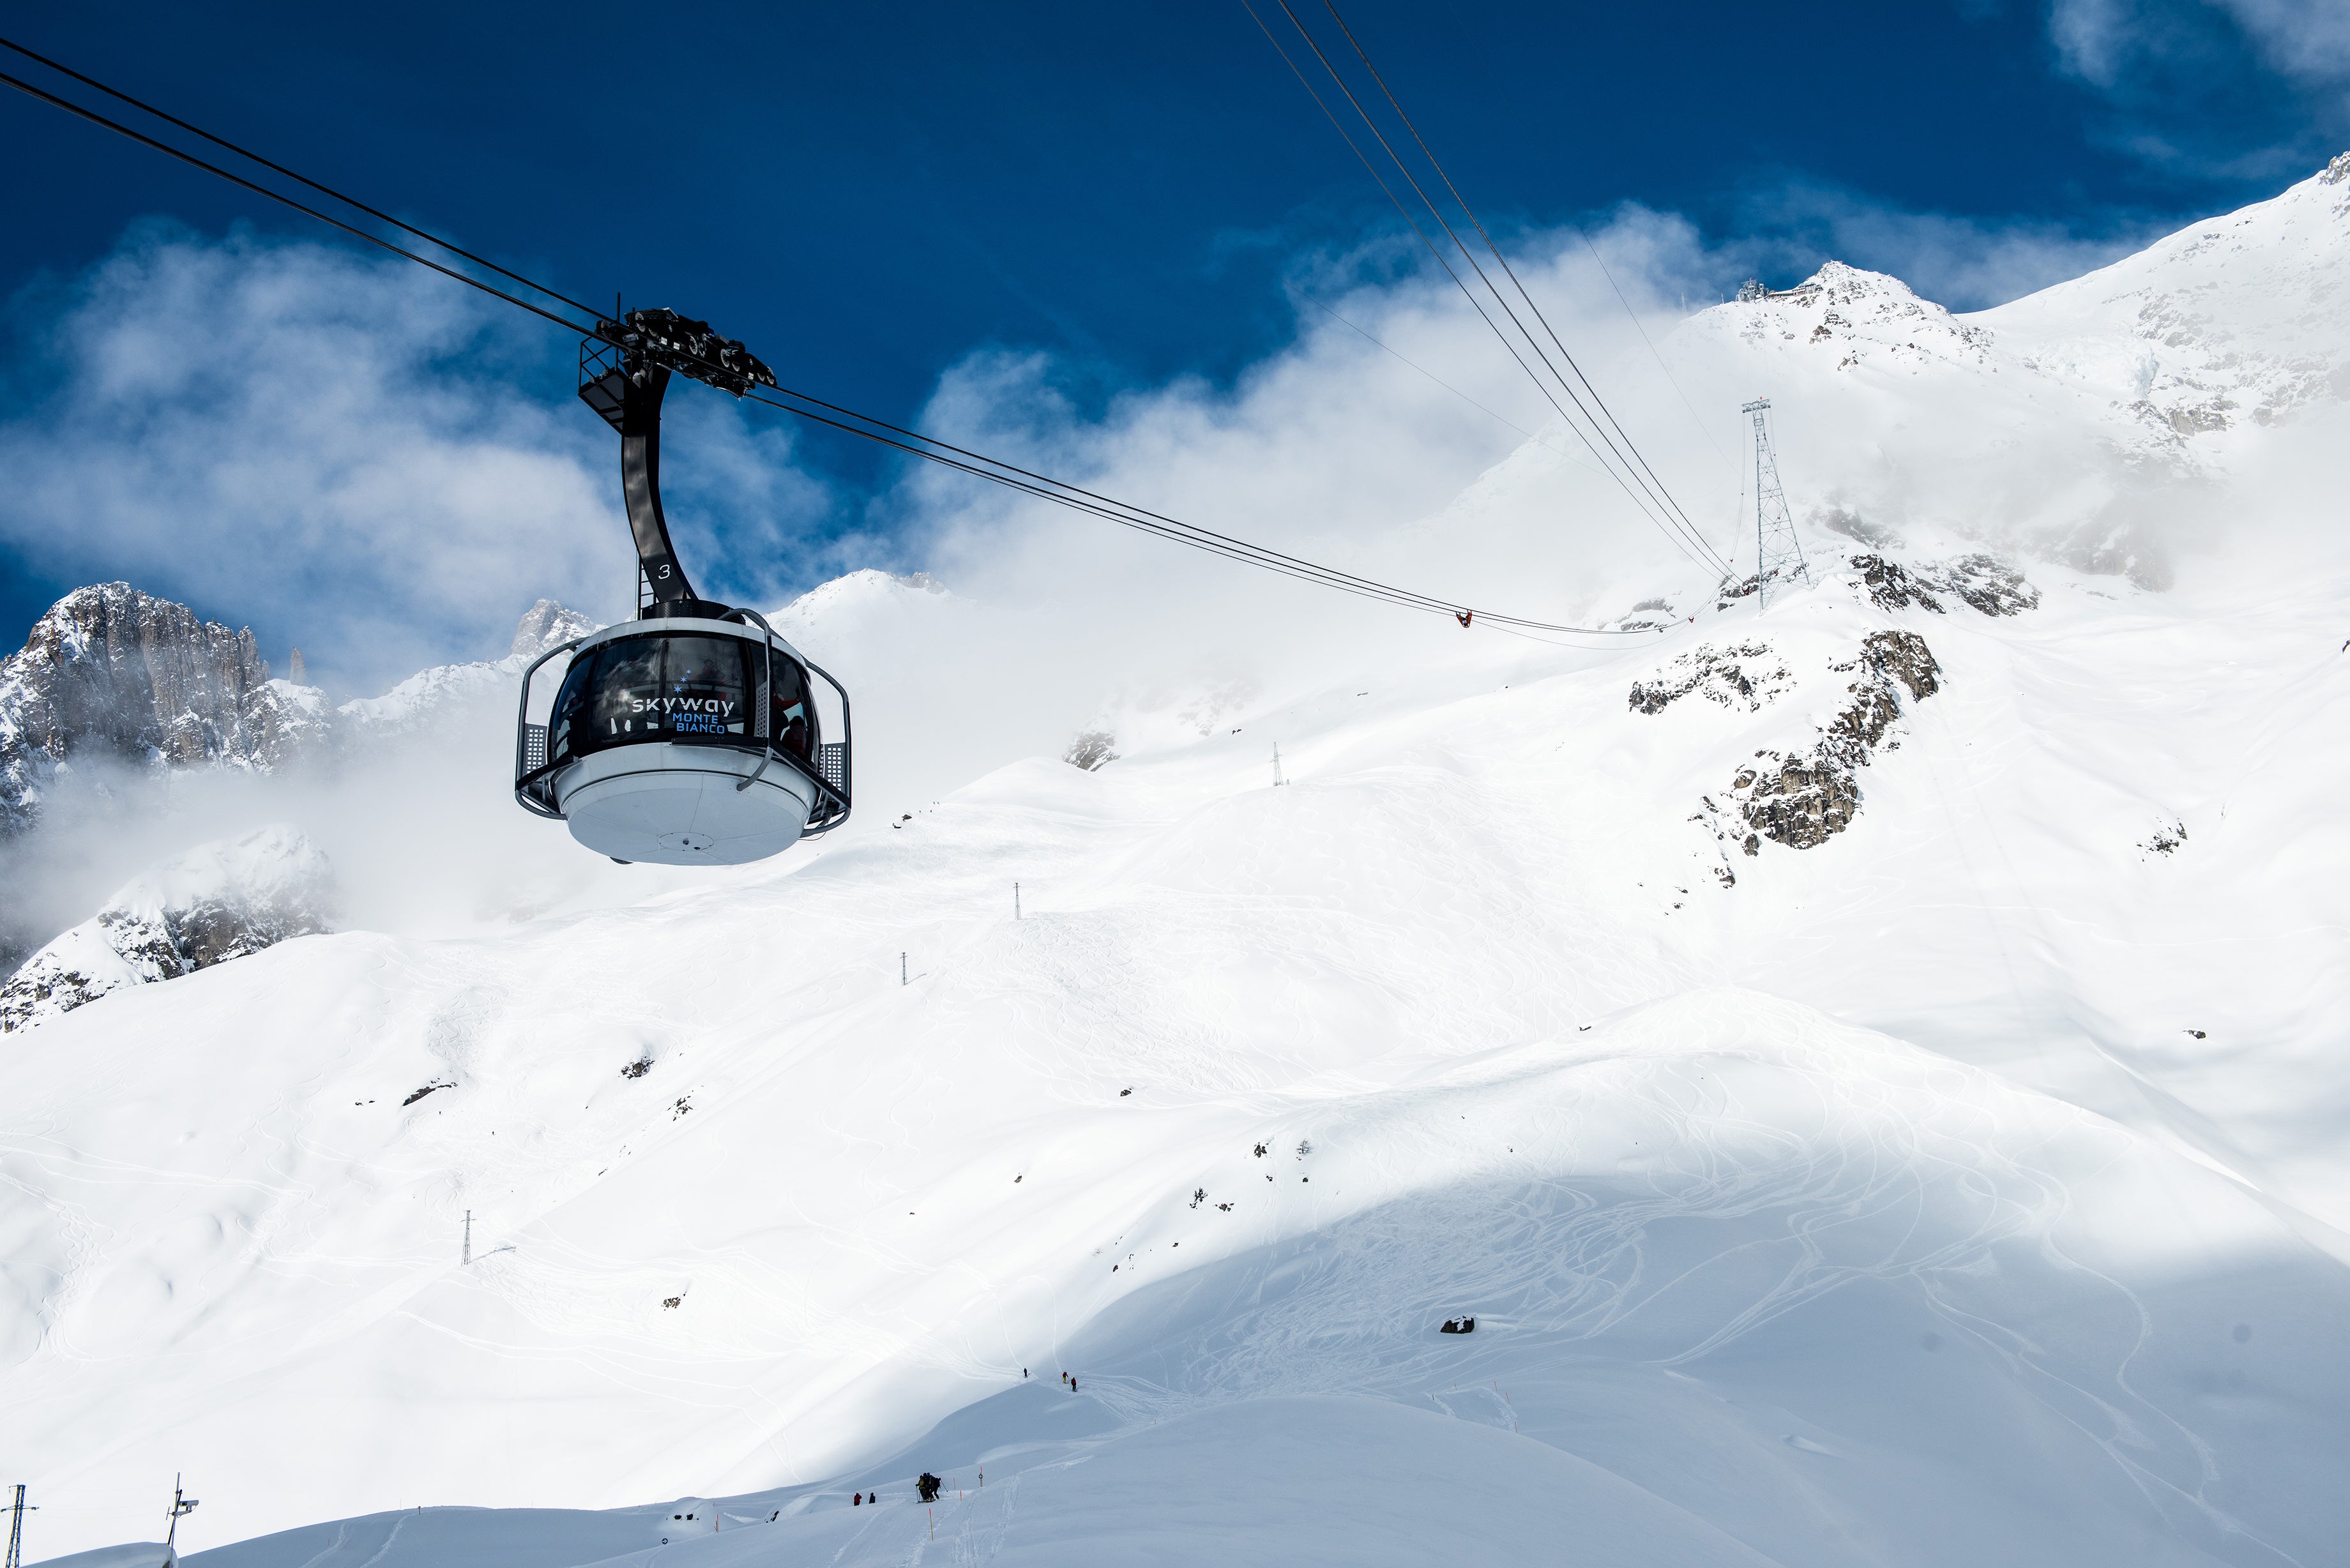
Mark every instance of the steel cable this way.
pixel 914 442
pixel 1466 292
pixel 1063 494
pixel 1466 254
pixel 290 174
pixel 1637 478
pixel 1645 503
pixel 352 229
pixel 1510 272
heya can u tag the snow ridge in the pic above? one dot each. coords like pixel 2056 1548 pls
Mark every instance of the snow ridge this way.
pixel 220 902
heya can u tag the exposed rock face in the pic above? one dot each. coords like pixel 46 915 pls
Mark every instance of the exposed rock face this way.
pixel 110 672
pixel 1990 585
pixel 1890 586
pixel 1649 615
pixel 1730 593
pixel 1746 676
pixel 1803 800
pixel 219 902
pixel 288 721
pixel 1984 582
pixel 546 624
pixel 1092 750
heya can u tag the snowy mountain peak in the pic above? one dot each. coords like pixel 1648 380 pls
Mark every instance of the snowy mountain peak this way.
pixel 1836 278
pixel 119 673
pixel 866 584
pixel 546 624
pixel 861 601
pixel 1852 316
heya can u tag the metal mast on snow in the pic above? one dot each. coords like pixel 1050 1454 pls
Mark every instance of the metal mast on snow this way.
pixel 1779 554
pixel 16 1528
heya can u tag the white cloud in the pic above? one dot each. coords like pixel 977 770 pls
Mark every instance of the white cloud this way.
pixel 360 457
pixel 2309 40
pixel 2095 38
pixel 2180 78
pixel 2100 40
pixel 1335 448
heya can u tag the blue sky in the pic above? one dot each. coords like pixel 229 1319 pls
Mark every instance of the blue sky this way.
pixel 870 196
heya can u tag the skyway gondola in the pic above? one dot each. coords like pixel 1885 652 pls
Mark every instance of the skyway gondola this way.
pixel 691 735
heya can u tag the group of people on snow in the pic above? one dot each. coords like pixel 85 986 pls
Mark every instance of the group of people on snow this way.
pixel 926 1485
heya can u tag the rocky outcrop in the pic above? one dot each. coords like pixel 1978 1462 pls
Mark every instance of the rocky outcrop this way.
pixel 1803 799
pixel 1092 750
pixel 1649 615
pixel 1990 585
pixel 1746 676
pixel 1983 582
pixel 546 624
pixel 218 902
pixel 115 674
pixel 1891 587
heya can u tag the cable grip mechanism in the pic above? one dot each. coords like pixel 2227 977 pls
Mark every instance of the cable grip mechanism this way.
pixel 624 371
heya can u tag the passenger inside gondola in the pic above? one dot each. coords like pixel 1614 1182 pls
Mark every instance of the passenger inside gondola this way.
pixel 787 719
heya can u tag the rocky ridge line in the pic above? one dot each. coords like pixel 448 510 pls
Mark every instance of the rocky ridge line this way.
pixel 114 673
pixel 110 672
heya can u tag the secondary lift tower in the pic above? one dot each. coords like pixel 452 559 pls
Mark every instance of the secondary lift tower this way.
pixel 1779 556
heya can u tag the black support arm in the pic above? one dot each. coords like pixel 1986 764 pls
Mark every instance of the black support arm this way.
pixel 624 371
pixel 632 403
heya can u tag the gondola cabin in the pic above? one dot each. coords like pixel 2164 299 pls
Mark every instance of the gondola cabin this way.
pixel 687 740
pixel 691 735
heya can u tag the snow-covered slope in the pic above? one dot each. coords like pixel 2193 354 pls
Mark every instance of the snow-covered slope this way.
pixel 1871 1070
pixel 2238 321
pixel 1881 1204
pixel 218 902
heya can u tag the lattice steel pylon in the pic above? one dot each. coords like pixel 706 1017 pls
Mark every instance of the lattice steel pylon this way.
pixel 1779 556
